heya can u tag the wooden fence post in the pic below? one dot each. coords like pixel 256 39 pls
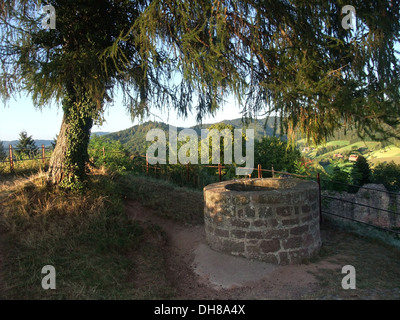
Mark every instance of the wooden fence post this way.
pixel 259 171
pixel 219 172
pixel 11 158
pixel 43 154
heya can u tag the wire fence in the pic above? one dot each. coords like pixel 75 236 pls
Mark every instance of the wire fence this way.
pixel 258 173
pixel 393 215
pixel 16 155
pixel 189 173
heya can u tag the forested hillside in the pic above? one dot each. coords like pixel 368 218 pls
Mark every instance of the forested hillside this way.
pixel 134 138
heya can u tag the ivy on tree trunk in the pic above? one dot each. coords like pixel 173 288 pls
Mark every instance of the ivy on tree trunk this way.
pixel 68 162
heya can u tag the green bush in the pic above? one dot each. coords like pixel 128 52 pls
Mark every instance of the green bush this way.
pixel 273 151
pixel 341 177
pixel 115 157
pixel 387 174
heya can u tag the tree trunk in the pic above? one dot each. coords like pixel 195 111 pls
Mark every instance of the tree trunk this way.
pixel 57 160
pixel 68 161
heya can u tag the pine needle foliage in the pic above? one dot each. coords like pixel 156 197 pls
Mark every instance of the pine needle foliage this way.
pixel 287 58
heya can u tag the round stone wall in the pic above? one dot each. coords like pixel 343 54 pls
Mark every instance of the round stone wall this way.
pixel 272 220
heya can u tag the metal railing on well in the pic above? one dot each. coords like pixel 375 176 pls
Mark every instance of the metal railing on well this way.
pixel 394 195
pixel 259 171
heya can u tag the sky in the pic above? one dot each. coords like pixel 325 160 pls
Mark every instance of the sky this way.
pixel 19 115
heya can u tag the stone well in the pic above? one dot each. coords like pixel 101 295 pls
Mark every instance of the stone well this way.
pixel 272 220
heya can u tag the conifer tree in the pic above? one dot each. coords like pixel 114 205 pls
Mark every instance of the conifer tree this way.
pixel 340 179
pixel 361 172
pixel 291 58
pixel 54 142
pixel 26 146
pixel 3 153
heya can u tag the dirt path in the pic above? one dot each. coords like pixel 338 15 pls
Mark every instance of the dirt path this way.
pixel 184 242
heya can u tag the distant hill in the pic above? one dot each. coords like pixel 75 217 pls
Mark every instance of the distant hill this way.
pixel 350 135
pixel 47 143
pixel 100 133
pixel 262 127
pixel 134 138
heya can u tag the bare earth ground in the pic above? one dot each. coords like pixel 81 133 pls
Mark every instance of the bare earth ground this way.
pixel 182 249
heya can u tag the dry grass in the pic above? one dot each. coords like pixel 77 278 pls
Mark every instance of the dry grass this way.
pixel 26 167
pixel 86 237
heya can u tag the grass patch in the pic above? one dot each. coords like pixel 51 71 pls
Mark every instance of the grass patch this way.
pixel 165 198
pixel 25 167
pixel 87 238
pixel 341 143
pixel 377 266
pixel 344 166
pixel 387 154
pixel 376 161
pixel 389 151
pixel 370 145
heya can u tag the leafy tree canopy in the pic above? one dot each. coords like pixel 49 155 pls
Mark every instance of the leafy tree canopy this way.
pixel 291 58
pixel 272 151
pixel 388 174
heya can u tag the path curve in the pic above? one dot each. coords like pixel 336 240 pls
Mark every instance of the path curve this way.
pixel 197 272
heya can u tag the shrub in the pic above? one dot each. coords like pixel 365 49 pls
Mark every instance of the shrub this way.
pixel 387 174
pixel 273 151
pixel 340 176
pixel 115 157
